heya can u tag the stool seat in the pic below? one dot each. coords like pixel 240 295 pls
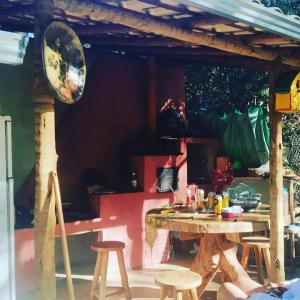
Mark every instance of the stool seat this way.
pixel 256 241
pixel 179 281
pixel 261 246
pixel 108 246
pixel 100 274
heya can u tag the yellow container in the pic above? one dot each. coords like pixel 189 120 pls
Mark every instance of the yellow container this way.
pixel 225 199
pixel 211 199
pixel 218 204
pixel 287 93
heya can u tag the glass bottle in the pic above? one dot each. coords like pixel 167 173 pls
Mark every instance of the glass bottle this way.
pixel 133 181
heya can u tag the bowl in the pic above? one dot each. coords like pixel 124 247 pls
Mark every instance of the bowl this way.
pixel 231 212
pixel 246 205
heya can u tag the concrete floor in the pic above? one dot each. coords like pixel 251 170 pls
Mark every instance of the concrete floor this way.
pixel 141 282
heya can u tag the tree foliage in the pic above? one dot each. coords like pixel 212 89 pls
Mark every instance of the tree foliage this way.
pixel 224 89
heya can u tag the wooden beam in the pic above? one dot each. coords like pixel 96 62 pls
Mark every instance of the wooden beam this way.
pixel 216 61
pixel 152 49
pixel 46 158
pixel 208 20
pixel 101 29
pixel 267 39
pixel 162 43
pixel 18 10
pixel 276 184
pixel 178 10
pixel 199 60
pixel 98 12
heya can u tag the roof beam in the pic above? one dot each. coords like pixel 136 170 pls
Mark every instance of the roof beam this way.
pixel 101 29
pixel 268 39
pixel 165 43
pixel 180 9
pixel 187 59
pixel 208 20
pixel 159 50
pixel 98 12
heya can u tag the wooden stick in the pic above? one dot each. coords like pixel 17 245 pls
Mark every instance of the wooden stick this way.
pixel 64 244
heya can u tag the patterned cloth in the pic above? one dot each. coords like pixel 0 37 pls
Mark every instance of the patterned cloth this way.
pixel 290 291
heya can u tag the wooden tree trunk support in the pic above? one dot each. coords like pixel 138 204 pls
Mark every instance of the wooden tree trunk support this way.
pixel 292 215
pixel 45 220
pixel 276 185
pixel 64 244
pixel 214 247
pixel 46 159
pixel 100 12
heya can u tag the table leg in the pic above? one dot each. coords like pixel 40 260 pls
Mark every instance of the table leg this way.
pixel 215 249
pixel 206 261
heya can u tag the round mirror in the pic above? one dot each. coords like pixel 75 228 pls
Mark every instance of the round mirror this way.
pixel 64 62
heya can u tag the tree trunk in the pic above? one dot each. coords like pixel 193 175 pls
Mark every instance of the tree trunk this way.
pixel 46 159
pixel 276 185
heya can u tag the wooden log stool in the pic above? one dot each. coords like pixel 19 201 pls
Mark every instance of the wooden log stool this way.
pixel 100 274
pixel 261 247
pixel 179 281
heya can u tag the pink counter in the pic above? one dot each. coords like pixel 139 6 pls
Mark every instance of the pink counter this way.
pixel 121 217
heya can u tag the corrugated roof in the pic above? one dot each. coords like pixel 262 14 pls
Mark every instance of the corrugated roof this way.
pixel 253 13
pixel 12 47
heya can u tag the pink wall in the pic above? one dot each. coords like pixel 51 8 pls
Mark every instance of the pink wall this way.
pixel 170 80
pixel 111 113
pixel 91 134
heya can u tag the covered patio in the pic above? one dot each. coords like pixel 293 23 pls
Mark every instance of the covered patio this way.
pixel 136 54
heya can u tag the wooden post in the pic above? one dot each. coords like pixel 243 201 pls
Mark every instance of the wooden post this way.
pixel 46 159
pixel 152 99
pixel 64 244
pixel 292 216
pixel 276 184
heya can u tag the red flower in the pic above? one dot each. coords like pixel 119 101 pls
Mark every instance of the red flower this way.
pixel 221 178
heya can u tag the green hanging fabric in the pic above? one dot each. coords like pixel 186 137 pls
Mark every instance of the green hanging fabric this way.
pixel 245 137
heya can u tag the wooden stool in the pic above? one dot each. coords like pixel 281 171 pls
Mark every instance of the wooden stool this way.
pixel 178 281
pixel 261 246
pixel 103 249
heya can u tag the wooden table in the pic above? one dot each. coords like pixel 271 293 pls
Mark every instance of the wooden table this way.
pixel 215 250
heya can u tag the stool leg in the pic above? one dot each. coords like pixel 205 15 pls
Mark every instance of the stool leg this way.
pixel 258 258
pixel 103 275
pixel 245 257
pixel 96 276
pixel 164 293
pixel 193 294
pixel 177 295
pixel 267 256
pixel 123 274
pixel 292 250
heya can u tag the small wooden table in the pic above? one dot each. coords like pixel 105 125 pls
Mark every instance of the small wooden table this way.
pixel 215 251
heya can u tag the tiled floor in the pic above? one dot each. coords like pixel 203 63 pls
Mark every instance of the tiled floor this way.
pixel 141 282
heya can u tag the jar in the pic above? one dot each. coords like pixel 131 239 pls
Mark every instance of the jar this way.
pixel 210 199
pixel 225 199
pixel 218 204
